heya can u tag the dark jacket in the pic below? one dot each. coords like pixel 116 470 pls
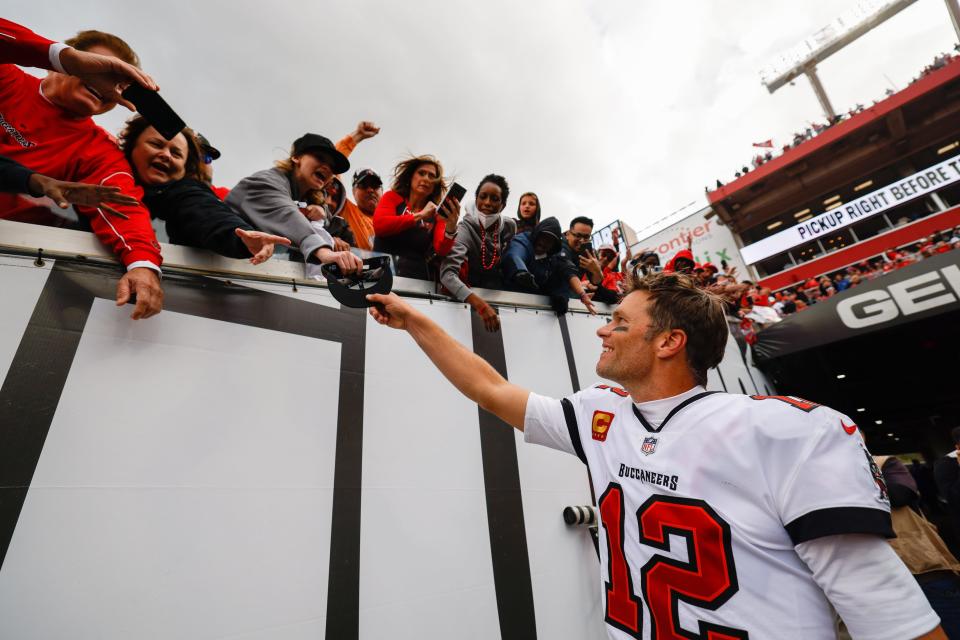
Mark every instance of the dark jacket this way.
pixel 552 272
pixel 602 294
pixel 335 224
pixel 946 473
pixel 196 217
pixel 14 177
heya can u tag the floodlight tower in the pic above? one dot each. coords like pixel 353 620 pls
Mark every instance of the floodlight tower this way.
pixel 803 59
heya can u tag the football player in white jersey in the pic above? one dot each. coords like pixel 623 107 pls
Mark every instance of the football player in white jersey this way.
pixel 724 516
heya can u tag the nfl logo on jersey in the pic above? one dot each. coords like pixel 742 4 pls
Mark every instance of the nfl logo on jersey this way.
pixel 649 446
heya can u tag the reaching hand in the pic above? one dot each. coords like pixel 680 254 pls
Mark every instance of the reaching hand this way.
pixel 491 321
pixel 260 244
pixel 87 195
pixel 145 284
pixel 390 310
pixel 347 261
pixel 589 262
pixel 365 129
pixel 339 244
pixel 314 212
pixel 451 207
pixel 108 75
pixel 427 213
pixel 588 303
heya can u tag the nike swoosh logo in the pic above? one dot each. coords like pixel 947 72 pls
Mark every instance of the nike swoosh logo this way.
pixel 849 429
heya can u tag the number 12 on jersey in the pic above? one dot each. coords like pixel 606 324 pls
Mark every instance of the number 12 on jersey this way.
pixel 706 580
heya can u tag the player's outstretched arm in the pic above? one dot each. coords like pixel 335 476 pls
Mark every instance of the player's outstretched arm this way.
pixel 468 372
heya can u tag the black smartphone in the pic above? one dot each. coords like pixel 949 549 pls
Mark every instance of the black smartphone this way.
pixel 155 110
pixel 586 247
pixel 455 191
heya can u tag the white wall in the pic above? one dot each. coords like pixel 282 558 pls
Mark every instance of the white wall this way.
pixel 185 486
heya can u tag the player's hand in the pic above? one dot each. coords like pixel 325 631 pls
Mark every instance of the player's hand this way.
pixel 88 195
pixel 143 283
pixel 491 321
pixel 390 310
pixel 260 244
pixel 107 75
pixel 345 260
pixel 365 129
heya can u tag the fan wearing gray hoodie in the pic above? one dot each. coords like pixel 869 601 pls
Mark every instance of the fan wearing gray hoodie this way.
pixel 482 236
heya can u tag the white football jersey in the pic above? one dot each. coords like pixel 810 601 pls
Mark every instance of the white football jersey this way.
pixel 702 498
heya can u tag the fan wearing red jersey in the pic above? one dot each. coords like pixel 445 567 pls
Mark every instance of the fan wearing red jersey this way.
pixel 725 517
pixel 46 126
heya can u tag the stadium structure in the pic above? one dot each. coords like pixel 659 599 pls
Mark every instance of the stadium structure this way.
pixel 885 178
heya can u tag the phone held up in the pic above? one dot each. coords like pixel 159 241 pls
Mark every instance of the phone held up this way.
pixel 155 110
pixel 455 191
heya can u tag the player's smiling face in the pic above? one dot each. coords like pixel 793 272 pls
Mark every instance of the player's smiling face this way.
pixel 627 354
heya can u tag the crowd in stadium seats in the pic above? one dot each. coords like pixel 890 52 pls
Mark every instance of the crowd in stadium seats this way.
pixel 760 308
pixel 816 128
pixel 751 307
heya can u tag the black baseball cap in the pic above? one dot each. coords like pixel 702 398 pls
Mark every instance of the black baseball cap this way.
pixel 366 175
pixel 314 142
pixel 208 148
pixel 352 290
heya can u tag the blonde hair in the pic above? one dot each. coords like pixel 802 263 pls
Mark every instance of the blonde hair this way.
pixel 286 165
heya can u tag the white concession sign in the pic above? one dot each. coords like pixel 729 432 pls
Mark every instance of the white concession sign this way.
pixel 711 242
pixel 919 184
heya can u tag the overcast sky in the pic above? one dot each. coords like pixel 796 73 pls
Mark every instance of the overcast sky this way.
pixel 607 108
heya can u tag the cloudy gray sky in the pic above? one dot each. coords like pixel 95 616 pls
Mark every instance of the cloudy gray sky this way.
pixel 609 108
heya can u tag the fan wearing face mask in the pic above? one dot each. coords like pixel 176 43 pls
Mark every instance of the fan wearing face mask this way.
pixel 482 237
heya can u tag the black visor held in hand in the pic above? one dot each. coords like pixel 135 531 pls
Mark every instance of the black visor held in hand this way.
pixel 155 110
pixel 351 290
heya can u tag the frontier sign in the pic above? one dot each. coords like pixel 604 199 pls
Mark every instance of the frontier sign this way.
pixel 892 195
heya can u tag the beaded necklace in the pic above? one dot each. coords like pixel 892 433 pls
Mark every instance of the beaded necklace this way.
pixel 495 241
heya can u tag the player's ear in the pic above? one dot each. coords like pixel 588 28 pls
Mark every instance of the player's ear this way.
pixel 671 342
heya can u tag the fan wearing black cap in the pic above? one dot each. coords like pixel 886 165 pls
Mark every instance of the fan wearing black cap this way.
pixel 209 153
pixel 272 199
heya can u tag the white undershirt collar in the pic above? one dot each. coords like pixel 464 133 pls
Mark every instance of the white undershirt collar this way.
pixel 656 411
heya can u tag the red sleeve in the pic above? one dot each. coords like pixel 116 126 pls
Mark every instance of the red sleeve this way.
pixel 132 239
pixel 441 243
pixel 19 45
pixel 386 221
pixel 222 192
